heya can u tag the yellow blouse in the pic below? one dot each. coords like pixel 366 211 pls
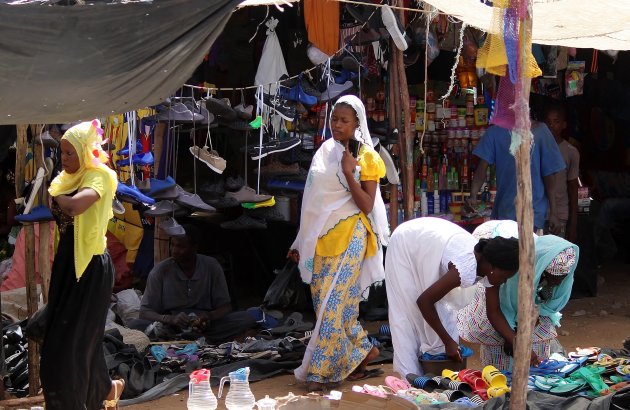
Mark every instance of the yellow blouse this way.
pixel 336 240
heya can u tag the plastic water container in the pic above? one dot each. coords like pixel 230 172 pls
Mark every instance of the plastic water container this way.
pixel 240 396
pixel 200 396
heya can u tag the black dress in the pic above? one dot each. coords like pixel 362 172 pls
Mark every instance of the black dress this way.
pixel 73 371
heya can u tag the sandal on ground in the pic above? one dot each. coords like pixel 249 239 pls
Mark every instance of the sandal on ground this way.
pixel 397 384
pixel 113 403
pixel 312 387
pixel 364 374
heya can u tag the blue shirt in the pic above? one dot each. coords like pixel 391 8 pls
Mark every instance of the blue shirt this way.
pixel 494 148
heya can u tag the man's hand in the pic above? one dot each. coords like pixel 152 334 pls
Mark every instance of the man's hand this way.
pixel 452 351
pixel 534 360
pixel 508 349
pixel 554 224
pixel 180 320
pixel 294 255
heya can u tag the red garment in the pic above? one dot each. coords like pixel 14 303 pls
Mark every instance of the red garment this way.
pixel 16 277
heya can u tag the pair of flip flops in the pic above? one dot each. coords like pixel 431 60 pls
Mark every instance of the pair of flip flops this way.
pixel 557 385
pixel 475 380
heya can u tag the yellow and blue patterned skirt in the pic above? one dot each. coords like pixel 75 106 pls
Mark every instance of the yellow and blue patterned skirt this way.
pixel 342 342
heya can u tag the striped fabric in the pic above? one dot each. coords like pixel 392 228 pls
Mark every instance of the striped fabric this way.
pixel 473 325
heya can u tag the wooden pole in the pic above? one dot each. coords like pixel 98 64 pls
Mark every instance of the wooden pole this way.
pixel 392 115
pixel 31 306
pixel 160 240
pixel 20 155
pixel 525 215
pixel 406 137
pixel 44 227
pixel 25 401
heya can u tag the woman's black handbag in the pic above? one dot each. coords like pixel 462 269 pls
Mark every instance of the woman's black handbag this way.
pixel 36 325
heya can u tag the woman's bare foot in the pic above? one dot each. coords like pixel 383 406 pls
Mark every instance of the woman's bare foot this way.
pixel 361 369
pixel 315 386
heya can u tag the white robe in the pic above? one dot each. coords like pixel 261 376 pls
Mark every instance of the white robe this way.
pixel 417 256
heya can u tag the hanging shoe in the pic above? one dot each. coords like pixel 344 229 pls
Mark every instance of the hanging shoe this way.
pixel 335 90
pixel 171 227
pixel 257 152
pixel 130 194
pixel 247 194
pixel 393 27
pixel 178 112
pixel 125 150
pixel 221 107
pixel 192 201
pixel 243 112
pixel 244 222
pixel 142 159
pixel 38 214
pixel 210 158
pixel 157 186
pixel 196 107
pixel 46 140
pixel 280 105
pixel 163 208
pixel 238 125
pixel 118 207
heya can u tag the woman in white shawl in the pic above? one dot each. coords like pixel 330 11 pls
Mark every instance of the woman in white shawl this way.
pixel 338 248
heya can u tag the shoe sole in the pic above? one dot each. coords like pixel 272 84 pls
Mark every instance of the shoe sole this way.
pixel 389 20
pixel 264 154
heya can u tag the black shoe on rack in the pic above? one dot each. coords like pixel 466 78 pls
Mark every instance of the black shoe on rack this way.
pixel 257 152
pixel 280 105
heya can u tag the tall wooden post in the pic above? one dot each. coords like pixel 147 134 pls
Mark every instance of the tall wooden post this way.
pixel 31 306
pixel 44 227
pixel 20 155
pixel 393 115
pixel 525 216
pixel 160 240
pixel 406 137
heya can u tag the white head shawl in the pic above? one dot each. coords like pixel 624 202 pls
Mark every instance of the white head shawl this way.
pixel 378 216
pixel 318 203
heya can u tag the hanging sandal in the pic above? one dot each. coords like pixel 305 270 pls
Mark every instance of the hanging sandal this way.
pixel 113 403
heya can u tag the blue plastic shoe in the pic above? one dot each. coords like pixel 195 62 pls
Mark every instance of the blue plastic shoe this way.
pixel 38 214
pixel 296 93
pixel 158 352
pixel 159 185
pixel 125 191
pixel 125 150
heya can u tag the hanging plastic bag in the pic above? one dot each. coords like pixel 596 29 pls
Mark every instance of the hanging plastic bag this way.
pixel 287 290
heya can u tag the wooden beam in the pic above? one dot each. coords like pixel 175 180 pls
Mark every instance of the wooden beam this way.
pixel 44 227
pixel 406 135
pixel 20 156
pixel 160 240
pixel 393 116
pixel 527 314
pixel 25 401
pixel 31 306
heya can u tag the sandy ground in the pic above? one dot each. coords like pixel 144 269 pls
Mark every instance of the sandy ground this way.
pixel 600 321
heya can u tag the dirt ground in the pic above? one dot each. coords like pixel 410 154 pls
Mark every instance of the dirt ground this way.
pixel 599 321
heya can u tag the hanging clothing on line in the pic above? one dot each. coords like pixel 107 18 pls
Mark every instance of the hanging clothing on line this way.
pixel 322 24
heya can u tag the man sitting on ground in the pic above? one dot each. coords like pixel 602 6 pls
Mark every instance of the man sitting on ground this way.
pixel 187 294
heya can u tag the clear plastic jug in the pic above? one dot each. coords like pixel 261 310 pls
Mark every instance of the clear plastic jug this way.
pixel 239 396
pixel 200 396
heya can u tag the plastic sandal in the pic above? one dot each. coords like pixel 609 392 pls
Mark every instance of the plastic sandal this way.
pixel 494 377
pixel 593 379
pixel 498 391
pixel 547 366
pixel 397 384
pixel 158 352
pixel 450 374
pixel 422 382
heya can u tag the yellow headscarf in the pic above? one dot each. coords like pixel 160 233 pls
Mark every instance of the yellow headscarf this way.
pixel 90 226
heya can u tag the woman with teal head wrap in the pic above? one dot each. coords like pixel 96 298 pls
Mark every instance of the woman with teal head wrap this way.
pixel 491 320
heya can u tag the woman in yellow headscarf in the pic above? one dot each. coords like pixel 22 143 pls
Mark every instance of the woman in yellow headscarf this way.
pixel 73 370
